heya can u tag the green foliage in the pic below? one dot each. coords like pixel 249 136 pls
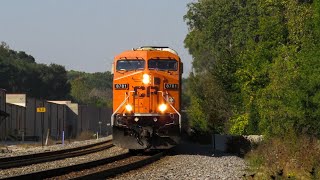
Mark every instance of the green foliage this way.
pixel 208 108
pixel 198 122
pixel 20 74
pixel 256 64
pixel 239 124
pixel 80 90
pixel 185 98
pixel 213 52
pixel 99 80
pixel 291 157
pixel 284 103
pixel 91 88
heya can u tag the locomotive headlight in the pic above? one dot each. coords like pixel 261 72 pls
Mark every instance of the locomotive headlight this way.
pixel 162 107
pixel 128 107
pixel 146 79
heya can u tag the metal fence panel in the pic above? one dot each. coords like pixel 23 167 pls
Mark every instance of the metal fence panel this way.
pixel 31 117
pixel 89 118
pixel 3 109
pixel 2 100
pixel 105 118
pixel 53 119
pixel 70 119
pixel 14 125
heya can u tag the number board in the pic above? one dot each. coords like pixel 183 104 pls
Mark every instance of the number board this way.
pixel 121 86
pixel 171 86
pixel 41 109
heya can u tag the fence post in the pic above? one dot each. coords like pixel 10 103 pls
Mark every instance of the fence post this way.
pixel 62 137
pixel 48 132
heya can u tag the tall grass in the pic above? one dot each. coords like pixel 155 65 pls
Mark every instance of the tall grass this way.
pixel 86 135
pixel 286 157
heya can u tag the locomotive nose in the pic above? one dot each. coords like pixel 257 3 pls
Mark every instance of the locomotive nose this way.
pixel 146 97
pixel 147 100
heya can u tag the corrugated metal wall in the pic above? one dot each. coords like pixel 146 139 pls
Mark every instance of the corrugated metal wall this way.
pixel 15 124
pixel 89 118
pixel 56 119
pixel 2 99
pixel 3 123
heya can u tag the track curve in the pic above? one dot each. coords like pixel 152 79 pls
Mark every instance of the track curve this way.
pixel 18 161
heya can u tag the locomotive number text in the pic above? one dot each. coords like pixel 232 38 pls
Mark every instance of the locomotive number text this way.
pixel 121 86
pixel 171 86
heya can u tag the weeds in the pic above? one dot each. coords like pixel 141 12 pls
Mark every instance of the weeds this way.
pixel 86 135
pixel 286 157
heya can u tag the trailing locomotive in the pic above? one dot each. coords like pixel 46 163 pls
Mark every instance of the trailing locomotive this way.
pixel 146 98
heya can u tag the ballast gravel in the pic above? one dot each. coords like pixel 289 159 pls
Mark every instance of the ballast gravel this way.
pixel 186 161
pixel 192 165
pixel 114 151
pixel 27 148
pixel 59 163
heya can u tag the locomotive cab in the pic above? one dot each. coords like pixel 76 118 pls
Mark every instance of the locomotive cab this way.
pixel 146 98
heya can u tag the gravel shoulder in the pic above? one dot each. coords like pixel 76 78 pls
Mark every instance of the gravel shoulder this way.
pixel 191 161
pixel 63 163
pixel 24 149
pixel 186 161
pixel 59 163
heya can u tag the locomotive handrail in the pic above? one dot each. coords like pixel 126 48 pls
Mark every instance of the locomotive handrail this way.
pixel 124 101
pixel 173 109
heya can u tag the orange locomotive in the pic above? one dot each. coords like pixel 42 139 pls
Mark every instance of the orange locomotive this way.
pixel 146 98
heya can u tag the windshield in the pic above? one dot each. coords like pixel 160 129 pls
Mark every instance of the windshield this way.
pixel 163 64
pixel 130 65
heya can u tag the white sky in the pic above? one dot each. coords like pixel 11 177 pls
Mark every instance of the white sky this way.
pixel 85 35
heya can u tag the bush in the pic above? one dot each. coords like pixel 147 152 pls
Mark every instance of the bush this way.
pixel 287 157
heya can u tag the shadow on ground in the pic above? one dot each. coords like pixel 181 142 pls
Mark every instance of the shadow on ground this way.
pixel 192 148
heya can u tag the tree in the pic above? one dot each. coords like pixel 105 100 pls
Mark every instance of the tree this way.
pixel 80 90
pixel 97 88
pixel 21 74
pixel 261 57
pixel 215 38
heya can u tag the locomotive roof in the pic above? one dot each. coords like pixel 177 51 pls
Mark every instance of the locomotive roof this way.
pixel 149 52
pixel 154 48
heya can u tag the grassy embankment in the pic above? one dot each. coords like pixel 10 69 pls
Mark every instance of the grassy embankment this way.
pixel 286 158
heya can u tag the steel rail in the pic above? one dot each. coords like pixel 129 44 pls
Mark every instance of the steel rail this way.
pixel 110 172
pixel 49 173
pixel 18 161
pixel 121 169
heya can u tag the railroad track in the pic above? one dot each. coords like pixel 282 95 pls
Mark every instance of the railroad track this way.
pixel 99 169
pixel 25 160
pixel 116 168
